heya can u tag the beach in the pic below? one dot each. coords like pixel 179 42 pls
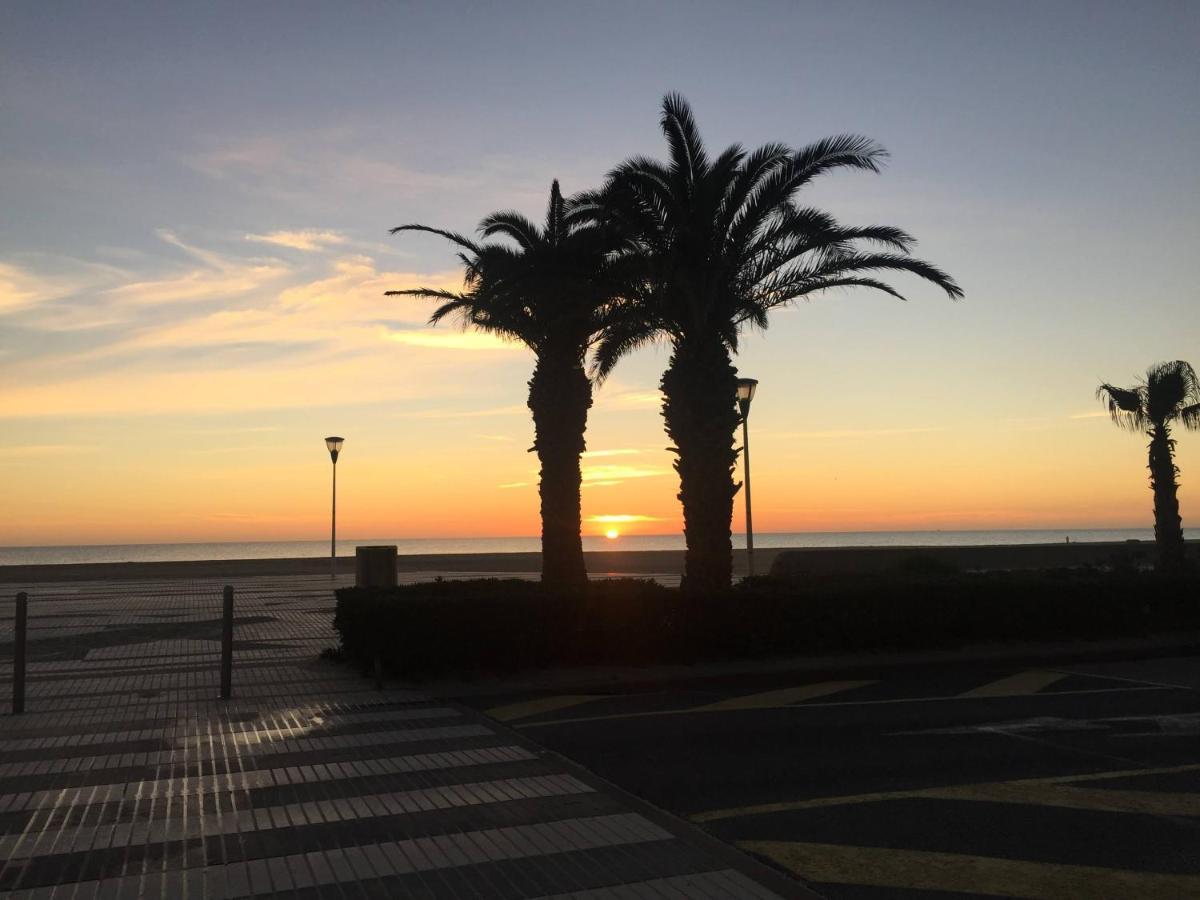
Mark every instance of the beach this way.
pixel 636 563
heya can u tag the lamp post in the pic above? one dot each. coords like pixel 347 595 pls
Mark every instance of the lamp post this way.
pixel 745 393
pixel 334 445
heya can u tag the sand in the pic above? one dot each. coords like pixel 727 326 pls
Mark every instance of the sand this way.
pixel 639 562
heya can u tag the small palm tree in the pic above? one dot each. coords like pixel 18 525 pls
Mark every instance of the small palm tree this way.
pixel 721 243
pixel 550 292
pixel 1169 393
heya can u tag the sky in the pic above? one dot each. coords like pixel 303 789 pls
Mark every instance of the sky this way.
pixel 194 250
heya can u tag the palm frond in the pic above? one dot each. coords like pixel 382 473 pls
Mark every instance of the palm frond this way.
pixel 1126 406
pixel 1190 416
pixel 623 335
pixel 857 262
pixel 1170 386
pixel 427 293
pixel 513 225
pixel 452 236
pixel 824 284
pixel 893 238
pixel 853 151
pixel 688 155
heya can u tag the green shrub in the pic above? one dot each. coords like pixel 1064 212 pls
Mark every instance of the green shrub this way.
pixel 495 625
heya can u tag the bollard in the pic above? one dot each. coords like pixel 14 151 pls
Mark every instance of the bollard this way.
pixel 227 645
pixel 19 627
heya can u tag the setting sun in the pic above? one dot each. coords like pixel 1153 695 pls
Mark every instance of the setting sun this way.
pixel 612 534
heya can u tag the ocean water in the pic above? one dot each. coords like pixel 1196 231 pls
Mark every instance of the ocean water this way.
pixel 100 553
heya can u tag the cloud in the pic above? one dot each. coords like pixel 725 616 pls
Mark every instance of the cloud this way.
pixel 514 484
pixel 196 285
pixel 1098 414
pixel 450 340
pixel 852 433
pixel 514 410
pixel 22 289
pixel 39 450
pixel 19 289
pixel 305 239
pixel 622 518
pixel 628 399
pixel 595 454
pixel 613 473
pixel 298 167
pixel 284 335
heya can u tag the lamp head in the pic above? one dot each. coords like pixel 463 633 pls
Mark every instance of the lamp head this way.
pixel 745 393
pixel 334 445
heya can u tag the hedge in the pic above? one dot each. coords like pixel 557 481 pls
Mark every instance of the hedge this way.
pixel 505 625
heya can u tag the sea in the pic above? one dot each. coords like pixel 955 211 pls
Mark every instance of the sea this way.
pixel 104 553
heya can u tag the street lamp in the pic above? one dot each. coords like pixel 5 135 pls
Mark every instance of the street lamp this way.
pixel 745 393
pixel 334 445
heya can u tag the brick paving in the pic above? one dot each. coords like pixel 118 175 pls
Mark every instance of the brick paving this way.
pixel 128 777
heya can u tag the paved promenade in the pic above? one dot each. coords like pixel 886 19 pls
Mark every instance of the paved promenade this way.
pixel 127 777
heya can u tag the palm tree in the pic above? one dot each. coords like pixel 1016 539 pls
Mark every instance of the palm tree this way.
pixel 549 292
pixel 721 242
pixel 1169 393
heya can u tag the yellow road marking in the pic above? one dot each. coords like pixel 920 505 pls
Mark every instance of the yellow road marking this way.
pixel 851 799
pixel 923 870
pixel 575 720
pixel 1016 685
pixel 536 707
pixel 1152 803
pixel 782 697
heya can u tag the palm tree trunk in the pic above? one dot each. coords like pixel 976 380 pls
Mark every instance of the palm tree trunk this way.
pixel 560 395
pixel 1168 526
pixel 699 395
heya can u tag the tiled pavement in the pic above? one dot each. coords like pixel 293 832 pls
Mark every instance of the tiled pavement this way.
pixel 127 777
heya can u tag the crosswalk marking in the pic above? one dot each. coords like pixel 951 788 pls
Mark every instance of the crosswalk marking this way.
pixel 928 871
pixel 527 708
pixel 1029 682
pixel 782 697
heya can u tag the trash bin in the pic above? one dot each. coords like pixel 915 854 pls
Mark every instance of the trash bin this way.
pixel 375 566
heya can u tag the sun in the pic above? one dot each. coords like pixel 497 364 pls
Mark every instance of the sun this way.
pixel 612 534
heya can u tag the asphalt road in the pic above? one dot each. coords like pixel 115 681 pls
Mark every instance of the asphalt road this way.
pixel 1080 781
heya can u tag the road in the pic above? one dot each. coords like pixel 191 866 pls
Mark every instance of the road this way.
pixel 1079 781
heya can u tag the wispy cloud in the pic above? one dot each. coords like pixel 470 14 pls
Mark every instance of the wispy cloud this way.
pixel 305 239
pixel 197 285
pixel 19 289
pixel 513 410
pixel 608 398
pixel 853 433
pixel 514 484
pixel 326 161
pixel 24 288
pixel 596 454
pixel 1097 414
pixel 449 340
pixel 223 332
pixel 611 473
pixel 617 519
pixel 40 450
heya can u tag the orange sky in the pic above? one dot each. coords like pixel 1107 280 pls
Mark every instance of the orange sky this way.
pixel 197 443
pixel 195 248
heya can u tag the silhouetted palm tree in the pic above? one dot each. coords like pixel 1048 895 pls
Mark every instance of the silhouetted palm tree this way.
pixel 1169 393
pixel 549 292
pixel 722 243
